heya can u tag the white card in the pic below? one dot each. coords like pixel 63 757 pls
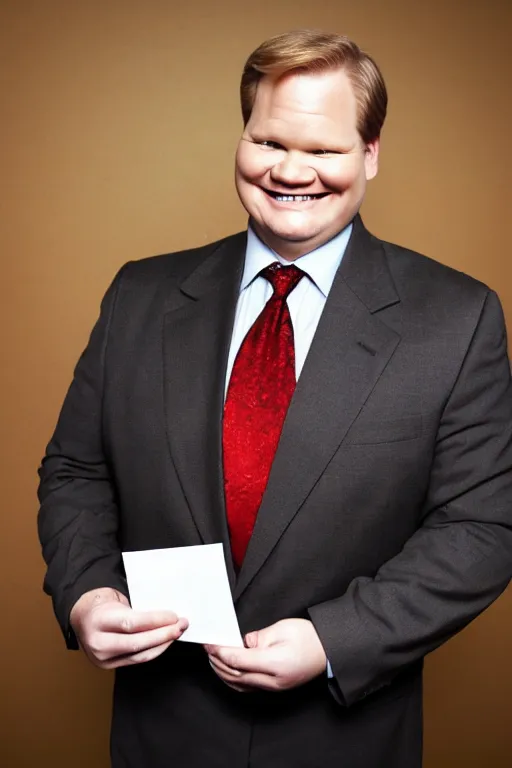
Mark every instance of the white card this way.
pixel 192 582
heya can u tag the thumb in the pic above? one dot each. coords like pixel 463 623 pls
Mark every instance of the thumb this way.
pixel 251 640
pixel 264 638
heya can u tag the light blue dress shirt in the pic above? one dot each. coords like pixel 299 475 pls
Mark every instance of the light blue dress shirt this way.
pixel 305 302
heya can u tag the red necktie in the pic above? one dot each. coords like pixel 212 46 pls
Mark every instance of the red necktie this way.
pixel 259 393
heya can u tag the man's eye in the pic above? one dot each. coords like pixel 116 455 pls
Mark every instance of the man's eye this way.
pixel 269 144
pixel 323 152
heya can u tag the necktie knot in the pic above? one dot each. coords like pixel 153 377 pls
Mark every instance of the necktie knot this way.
pixel 282 279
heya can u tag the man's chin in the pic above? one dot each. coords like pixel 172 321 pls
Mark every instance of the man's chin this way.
pixel 289 245
pixel 286 234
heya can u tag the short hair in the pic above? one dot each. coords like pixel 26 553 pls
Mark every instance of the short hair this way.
pixel 307 50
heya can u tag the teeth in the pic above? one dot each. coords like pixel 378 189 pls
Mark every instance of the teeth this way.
pixel 293 198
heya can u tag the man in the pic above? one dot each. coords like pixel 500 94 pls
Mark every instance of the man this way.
pixel 366 513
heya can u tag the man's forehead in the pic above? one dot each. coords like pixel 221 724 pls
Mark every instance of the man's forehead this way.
pixel 312 92
pixel 315 105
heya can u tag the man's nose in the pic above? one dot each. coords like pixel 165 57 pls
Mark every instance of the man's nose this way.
pixel 293 170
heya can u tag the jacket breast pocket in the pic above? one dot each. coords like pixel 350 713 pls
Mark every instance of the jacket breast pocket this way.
pixel 385 430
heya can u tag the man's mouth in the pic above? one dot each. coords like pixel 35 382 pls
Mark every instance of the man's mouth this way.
pixel 282 198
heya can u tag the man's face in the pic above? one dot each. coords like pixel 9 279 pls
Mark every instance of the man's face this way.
pixel 301 165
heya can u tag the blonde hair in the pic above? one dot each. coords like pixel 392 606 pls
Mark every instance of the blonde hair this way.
pixel 307 50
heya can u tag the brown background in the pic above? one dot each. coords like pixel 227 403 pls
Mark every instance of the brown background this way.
pixel 119 123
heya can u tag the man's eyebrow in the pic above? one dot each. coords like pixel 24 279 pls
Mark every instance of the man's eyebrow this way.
pixel 308 146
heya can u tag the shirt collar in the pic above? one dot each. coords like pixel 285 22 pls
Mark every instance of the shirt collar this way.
pixel 320 265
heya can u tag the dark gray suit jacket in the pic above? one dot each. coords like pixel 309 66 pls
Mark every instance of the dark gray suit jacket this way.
pixel 387 519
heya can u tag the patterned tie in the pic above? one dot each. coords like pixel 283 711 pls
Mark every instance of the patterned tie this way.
pixel 259 393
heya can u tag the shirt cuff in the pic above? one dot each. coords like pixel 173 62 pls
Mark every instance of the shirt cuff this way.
pixel 329 670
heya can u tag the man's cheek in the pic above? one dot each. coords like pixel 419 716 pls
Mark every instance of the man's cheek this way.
pixel 250 166
pixel 339 176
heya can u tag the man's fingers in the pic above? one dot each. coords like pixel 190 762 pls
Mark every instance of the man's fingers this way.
pixel 245 659
pixel 227 678
pixel 136 658
pixel 252 680
pixel 109 645
pixel 244 682
pixel 125 620
pixel 224 670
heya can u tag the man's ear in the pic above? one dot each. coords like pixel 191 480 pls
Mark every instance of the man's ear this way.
pixel 371 159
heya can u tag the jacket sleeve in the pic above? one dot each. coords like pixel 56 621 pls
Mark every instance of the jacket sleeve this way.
pixel 460 559
pixel 78 517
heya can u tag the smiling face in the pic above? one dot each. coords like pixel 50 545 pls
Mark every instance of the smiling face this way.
pixel 301 165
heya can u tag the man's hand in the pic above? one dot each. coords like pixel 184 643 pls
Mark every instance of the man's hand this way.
pixel 282 656
pixel 113 635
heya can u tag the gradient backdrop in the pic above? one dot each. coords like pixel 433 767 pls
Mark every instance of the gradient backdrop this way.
pixel 119 123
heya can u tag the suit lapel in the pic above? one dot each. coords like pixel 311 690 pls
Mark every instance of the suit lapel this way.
pixel 350 350
pixel 197 333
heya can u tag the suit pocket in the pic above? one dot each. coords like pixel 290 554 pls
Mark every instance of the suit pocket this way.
pixel 385 430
